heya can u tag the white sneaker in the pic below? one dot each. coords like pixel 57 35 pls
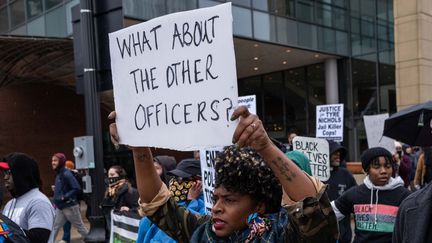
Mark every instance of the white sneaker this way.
pixel 62 241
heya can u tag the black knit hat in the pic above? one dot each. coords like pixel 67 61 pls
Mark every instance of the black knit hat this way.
pixel 369 154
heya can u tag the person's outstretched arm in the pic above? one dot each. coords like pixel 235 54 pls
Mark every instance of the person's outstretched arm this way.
pixel 148 181
pixel 250 132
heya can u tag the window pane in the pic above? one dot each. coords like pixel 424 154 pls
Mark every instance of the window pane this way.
pixel 245 3
pixel 52 3
pixel 17 13
pixel 324 14
pixel 307 35
pixel 4 21
pixel 69 7
pixel 305 10
pixel 264 26
pixel 286 31
pixel 273 102
pixel 261 4
pixel 339 18
pixel 296 113
pixel 19 31
pixel 207 3
pixel 316 91
pixel 364 87
pixel 180 5
pixel 341 42
pixel 34 8
pixel 326 39
pixel 242 24
pixel 37 27
pixel 56 23
pixel 387 88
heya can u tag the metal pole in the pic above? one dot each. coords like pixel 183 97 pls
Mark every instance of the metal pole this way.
pixel 93 122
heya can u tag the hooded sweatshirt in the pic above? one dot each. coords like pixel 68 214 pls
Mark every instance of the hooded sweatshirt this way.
pixel 375 208
pixel 29 208
pixel 66 186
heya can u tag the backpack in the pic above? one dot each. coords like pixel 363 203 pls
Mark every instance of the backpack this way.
pixel 78 176
pixel 11 232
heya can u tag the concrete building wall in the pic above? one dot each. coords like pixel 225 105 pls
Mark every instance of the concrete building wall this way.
pixel 413 51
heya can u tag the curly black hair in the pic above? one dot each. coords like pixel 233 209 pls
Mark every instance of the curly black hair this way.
pixel 244 171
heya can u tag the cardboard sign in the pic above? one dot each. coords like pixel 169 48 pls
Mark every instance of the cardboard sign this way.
pixel 317 151
pixel 175 77
pixel 374 132
pixel 329 122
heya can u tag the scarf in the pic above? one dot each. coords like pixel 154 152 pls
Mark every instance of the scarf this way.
pixel 261 228
pixel 114 184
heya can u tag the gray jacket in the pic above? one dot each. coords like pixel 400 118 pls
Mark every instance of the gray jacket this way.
pixel 413 219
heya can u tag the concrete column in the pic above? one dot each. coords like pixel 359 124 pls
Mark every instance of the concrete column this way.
pixel 331 81
pixel 413 51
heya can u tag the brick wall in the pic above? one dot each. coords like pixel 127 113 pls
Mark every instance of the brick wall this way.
pixel 40 119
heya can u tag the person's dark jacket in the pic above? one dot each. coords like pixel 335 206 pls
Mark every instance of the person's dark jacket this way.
pixel 405 169
pixel 413 222
pixel 125 196
pixel 66 189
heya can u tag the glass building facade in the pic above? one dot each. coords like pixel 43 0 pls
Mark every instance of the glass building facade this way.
pixel 359 33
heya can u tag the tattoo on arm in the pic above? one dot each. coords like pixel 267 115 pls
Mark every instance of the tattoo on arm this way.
pixel 143 156
pixel 284 169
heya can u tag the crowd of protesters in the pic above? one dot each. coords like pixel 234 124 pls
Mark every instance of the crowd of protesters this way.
pixel 264 192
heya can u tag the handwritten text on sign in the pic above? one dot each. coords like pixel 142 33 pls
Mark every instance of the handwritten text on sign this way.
pixel 175 76
pixel 208 158
pixel 317 151
pixel 329 122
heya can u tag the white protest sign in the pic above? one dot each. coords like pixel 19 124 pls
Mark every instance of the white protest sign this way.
pixel 175 77
pixel 374 132
pixel 249 101
pixel 317 151
pixel 329 122
pixel 207 158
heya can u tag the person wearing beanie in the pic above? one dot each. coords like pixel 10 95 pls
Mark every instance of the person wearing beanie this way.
pixel 29 207
pixel 300 160
pixel 163 164
pixel 374 203
pixel 66 188
pixel 339 182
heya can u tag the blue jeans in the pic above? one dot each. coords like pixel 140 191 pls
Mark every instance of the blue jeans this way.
pixel 67 231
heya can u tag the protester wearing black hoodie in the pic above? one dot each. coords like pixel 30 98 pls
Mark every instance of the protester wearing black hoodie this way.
pixel 29 208
pixel 376 202
pixel 339 182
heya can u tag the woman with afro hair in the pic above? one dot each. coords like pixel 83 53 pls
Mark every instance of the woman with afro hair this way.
pixel 250 176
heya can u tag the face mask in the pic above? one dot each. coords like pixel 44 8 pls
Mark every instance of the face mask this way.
pixel 113 180
pixel 180 189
